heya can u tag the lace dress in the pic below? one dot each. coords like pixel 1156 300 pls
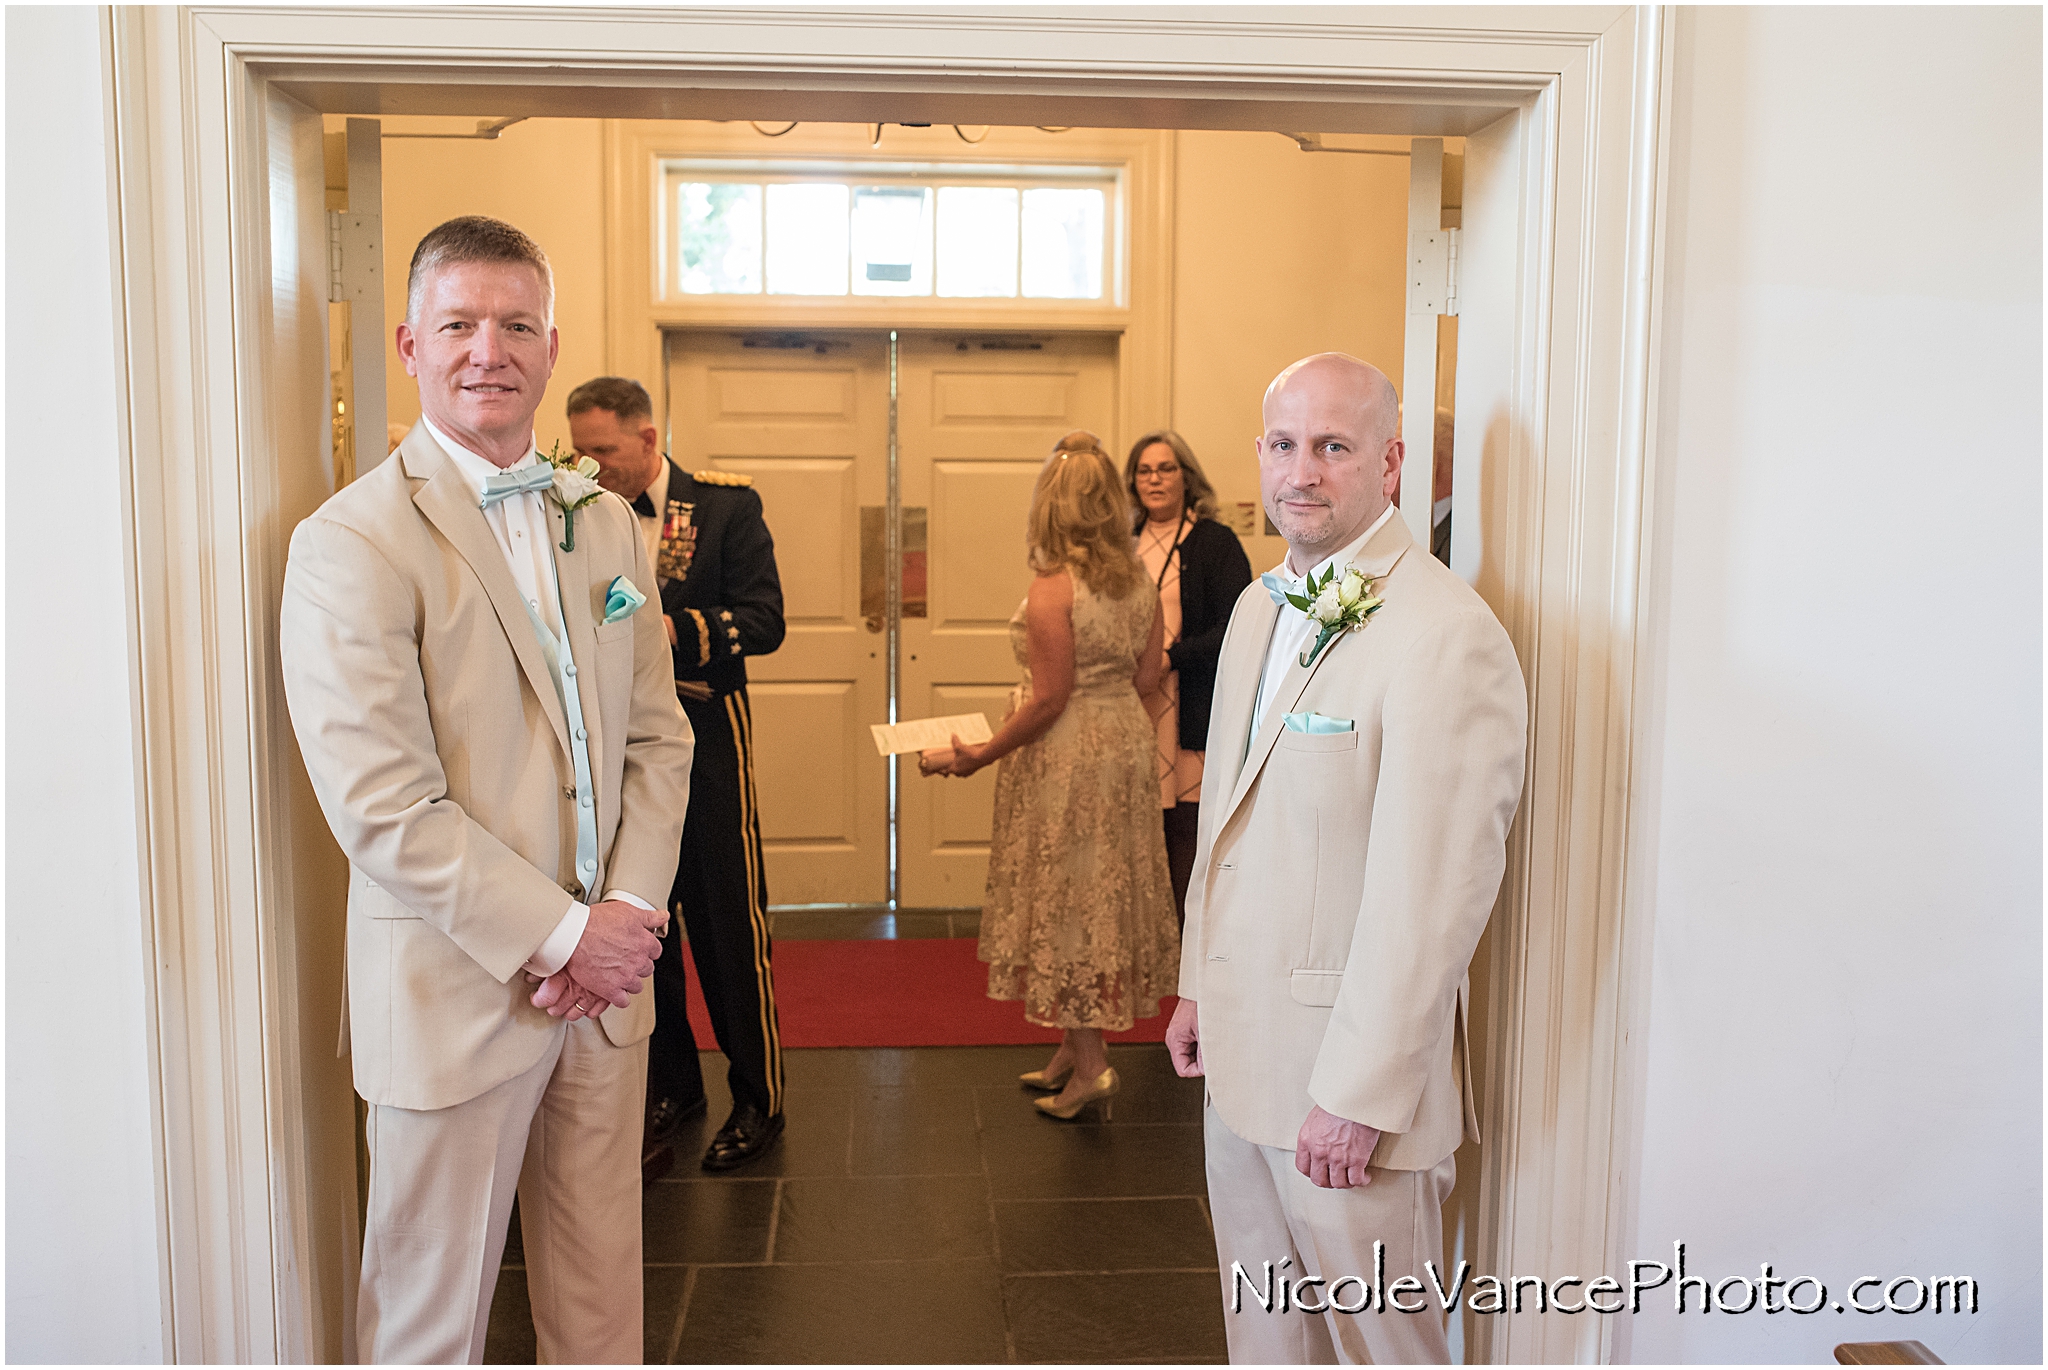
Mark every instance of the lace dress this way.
pixel 1078 921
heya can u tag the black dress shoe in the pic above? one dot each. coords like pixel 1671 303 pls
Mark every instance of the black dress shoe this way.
pixel 666 1116
pixel 747 1133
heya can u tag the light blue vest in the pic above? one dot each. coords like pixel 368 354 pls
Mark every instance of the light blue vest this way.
pixel 562 666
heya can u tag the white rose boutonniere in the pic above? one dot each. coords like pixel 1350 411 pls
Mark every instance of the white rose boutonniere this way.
pixel 575 486
pixel 1335 604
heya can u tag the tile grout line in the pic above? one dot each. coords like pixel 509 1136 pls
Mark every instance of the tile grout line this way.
pixel 675 1338
pixel 1104 1199
pixel 995 1241
pixel 774 1222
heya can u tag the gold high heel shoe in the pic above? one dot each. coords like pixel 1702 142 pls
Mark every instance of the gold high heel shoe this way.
pixel 1102 1092
pixel 1038 1079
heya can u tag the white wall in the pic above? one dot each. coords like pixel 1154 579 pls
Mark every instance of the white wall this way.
pixel 1842 782
pixel 82 1275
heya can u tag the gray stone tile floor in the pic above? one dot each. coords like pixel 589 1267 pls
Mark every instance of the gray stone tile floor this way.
pixel 919 1210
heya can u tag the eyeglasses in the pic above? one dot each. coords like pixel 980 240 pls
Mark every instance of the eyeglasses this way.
pixel 1162 472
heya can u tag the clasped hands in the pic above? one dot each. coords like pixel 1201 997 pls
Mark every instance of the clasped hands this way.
pixel 961 759
pixel 616 953
pixel 1333 1152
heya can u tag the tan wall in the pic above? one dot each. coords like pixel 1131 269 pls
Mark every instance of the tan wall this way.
pixel 546 176
pixel 1278 253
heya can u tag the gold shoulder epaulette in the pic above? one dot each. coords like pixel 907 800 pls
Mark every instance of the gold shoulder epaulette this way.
pixel 720 478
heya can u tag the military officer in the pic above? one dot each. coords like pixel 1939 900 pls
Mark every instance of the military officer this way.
pixel 722 600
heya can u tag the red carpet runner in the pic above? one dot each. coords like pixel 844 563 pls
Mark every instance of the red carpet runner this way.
pixel 912 992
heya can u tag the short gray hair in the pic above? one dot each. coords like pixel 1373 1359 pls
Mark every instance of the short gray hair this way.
pixel 475 238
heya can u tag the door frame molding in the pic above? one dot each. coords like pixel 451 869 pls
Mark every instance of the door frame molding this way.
pixel 1569 476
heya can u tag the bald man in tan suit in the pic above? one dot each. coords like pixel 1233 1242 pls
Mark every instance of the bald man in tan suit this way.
pixel 1354 819
pixel 489 722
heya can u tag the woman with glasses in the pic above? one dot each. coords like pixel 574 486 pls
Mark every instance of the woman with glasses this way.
pixel 1198 568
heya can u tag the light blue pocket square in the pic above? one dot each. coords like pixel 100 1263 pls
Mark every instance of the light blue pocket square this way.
pixel 1315 723
pixel 621 600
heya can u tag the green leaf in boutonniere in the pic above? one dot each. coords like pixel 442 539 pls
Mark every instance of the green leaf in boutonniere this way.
pixel 1335 604
pixel 575 486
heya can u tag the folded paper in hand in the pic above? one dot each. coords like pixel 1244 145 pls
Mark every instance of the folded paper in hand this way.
pixel 923 734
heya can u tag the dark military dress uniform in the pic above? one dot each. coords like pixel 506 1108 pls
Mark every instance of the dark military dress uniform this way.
pixel 716 563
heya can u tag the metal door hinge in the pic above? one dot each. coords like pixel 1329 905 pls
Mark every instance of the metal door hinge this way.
pixel 355 256
pixel 1433 271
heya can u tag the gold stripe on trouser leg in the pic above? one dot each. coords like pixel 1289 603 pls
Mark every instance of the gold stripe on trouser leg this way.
pixel 757 916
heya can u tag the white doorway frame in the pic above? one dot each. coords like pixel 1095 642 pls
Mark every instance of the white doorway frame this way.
pixel 1561 461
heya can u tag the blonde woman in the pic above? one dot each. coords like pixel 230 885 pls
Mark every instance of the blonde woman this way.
pixel 1078 921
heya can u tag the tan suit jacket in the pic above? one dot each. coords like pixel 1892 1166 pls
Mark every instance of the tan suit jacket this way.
pixel 438 747
pixel 1342 880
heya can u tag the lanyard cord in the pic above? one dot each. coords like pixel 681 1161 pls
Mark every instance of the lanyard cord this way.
pixel 1180 535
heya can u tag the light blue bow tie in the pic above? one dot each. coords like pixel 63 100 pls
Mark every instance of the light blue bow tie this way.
pixel 505 485
pixel 1280 587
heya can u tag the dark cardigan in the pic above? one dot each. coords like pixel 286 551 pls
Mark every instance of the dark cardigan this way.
pixel 1213 572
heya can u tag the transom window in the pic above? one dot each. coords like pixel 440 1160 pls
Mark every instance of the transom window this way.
pixel 949 232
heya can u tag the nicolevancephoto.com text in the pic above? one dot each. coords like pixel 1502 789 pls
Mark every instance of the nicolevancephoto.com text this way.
pixel 1272 1290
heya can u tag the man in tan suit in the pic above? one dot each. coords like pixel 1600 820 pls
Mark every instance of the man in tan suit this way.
pixel 1354 818
pixel 488 720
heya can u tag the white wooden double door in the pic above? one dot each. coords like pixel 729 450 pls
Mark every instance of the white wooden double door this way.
pixel 807 416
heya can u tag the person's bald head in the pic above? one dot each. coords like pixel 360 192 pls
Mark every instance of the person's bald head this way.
pixel 1330 456
pixel 1347 380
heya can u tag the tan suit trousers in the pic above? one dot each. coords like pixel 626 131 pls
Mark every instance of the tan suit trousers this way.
pixel 1266 1210
pixel 566 1135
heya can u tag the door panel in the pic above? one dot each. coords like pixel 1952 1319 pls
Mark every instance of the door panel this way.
pixel 977 516
pixel 816 724
pixel 805 500
pixel 810 424
pixel 975 420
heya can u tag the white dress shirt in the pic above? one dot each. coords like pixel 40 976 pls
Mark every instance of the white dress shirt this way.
pixel 650 528
pixel 1293 632
pixel 520 524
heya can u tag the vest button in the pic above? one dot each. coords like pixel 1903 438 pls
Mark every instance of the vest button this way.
pixel 568 791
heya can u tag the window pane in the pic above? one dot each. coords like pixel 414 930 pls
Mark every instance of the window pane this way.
pixel 892 240
pixel 1063 244
pixel 977 241
pixel 721 238
pixel 807 240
